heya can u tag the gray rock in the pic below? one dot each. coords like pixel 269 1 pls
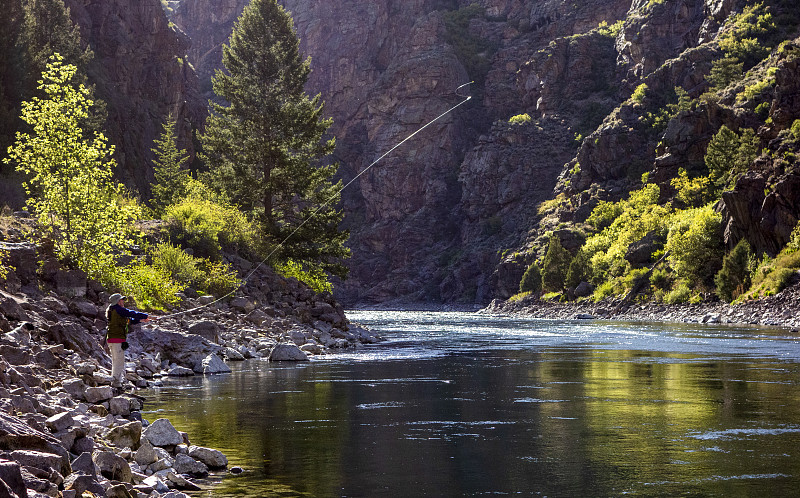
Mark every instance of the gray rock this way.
pixel 206 329
pixel 146 454
pixel 59 422
pixel 81 483
pixel 112 466
pixel 233 355
pixel 287 352
pixel 157 484
pixel 257 317
pixel 83 308
pixel 584 289
pixel 585 316
pixel 125 436
pixel 11 475
pixel 242 304
pixel 83 445
pixel 98 394
pixel 120 491
pixel 178 371
pixel 182 483
pixel 162 433
pixel 214 459
pixel 175 494
pixel 213 364
pixel 120 405
pixel 85 465
pixel 184 464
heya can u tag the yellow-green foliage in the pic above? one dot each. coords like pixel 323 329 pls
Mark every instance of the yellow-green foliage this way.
pixel 752 91
pixel 4 268
pixel 181 267
pixel 520 119
pixel 206 225
pixel 151 288
pixel 694 242
pixel 694 192
pixel 680 294
pixel 610 30
pixel 774 275
pixel 638 215
pixel 741 40
pixel 551 204
pixel 314 277
pixel 220 278
pixel 519 296
pixel 796 129
pixel 640 93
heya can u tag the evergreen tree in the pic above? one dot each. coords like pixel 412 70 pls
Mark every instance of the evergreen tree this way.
pixel 10 72
pixel 579 269
pixel 555 266
pixel 265 144
pixel 71 190
pixel 171 179
pixel 730 154
pixel 531 279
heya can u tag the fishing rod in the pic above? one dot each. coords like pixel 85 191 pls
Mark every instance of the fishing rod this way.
pixel 466 98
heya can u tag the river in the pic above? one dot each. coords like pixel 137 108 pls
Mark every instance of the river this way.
pixel 462 404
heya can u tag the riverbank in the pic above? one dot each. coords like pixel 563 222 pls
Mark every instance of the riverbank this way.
pixel 780 310
pixel 64 430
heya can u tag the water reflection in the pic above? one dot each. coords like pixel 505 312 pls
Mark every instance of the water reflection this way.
pixel 461 405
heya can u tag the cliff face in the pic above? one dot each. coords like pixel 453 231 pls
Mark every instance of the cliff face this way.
pixel 140 70
pixel 456 214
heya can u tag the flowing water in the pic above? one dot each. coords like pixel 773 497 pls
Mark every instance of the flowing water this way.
pixel 460 404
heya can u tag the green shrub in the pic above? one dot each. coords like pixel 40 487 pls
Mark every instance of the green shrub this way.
pixel 734 277
pixel 182 267
pixel 729 154
pixel 610 30
pixel 681 294
pixel 579 269
pixel 606 289
pixel 693 192
pixel 694 242
pixel 531 280
pixel 796 129
pixel 205 226
pixel 149 287
pixel 520 119
pixel 661 279
pixel 725 71
pixel 219 278
pixel 314 277
pixel 640 93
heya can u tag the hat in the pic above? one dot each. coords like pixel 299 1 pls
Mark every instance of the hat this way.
pixel 114 298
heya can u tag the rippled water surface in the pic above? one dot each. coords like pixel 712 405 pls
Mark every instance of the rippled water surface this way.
pixel 459 404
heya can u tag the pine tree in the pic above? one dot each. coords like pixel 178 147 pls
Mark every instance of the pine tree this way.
pixel 171 179
pixel 531 279
pixel 265 144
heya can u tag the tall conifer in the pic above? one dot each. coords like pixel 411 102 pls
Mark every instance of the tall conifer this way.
pixel 265 144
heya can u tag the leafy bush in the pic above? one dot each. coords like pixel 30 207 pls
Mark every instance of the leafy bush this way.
pixel 734 277
pixel 149 287
pixel 531 280
pixel 205 226
pixel 520 119
pixel 610 30
pixel 314 277
pixel 661 279
pixel 606 289
pixel 640 93
pixel 693 192
pixel 219 278
pixel 681 294
pixel 182 267
pixel 694 242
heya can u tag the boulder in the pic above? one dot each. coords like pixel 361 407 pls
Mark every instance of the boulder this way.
pixel 214 459
pixel 125 436
pixel 120 405
pixel 157 484
pixel 120 491
pixel 206 329
pixel 233 355
pixel 75 337
pixel 287 352
pixel 112 466
pixel 71 283
pixel 186 350
pixel 83 445
pixel 178 371
pixel 98 394
pixel 59 422
pixel 85 465
pixel 146 454
pixel 81 483
pixel 18 435
pixel 162 433
pixel 242 304
pixel 11 475
pixel 213 364
pixel 184 464
pixel 584 289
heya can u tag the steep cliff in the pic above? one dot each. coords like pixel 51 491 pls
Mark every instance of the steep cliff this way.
pixel 459 212
pixel 141 71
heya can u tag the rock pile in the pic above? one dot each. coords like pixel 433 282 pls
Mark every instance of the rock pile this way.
pixel 64 430
pixel 781 310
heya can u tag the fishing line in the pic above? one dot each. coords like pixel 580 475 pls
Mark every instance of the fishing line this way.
pixel 466 98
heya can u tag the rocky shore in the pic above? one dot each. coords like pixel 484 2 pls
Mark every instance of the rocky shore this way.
pixel 64 431
pixel 780 310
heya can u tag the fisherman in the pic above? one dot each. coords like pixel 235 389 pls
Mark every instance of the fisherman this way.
pixel 120 319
